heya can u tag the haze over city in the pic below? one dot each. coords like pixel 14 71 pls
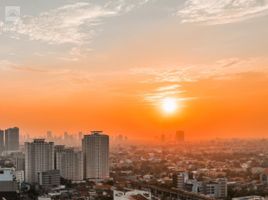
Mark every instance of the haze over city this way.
pixel 138 68
pixel 133 100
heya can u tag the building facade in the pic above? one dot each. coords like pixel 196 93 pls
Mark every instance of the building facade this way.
pixel 18 159
pixel 179 179
pixel 49 179
pixel 2 144
pixel 215 189
pixel 8 181
pixel 39 157
pixel 70 164
pixel 95 149
pixel 12 139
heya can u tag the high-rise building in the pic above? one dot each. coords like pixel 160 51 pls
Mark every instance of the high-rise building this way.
pixel 2 144
pixel 96 155
pixel 70 164
pixel 39 157
pixel 57 148
pixel 12 139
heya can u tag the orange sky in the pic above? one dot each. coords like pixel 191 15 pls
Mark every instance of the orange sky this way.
pixel 117 64
pixel 234 107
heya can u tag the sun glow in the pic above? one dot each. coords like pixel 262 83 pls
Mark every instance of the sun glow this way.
pixel 169 105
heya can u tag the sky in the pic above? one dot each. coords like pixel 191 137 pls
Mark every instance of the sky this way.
pixel 70 65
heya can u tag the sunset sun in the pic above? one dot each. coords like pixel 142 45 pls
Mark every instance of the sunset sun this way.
pixel 169 105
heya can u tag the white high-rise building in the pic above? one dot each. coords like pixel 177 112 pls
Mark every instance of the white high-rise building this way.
pixel 96 155
pixel 39 157
pixel 70 164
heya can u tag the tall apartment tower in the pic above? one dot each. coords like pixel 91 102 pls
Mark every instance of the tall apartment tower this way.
pixel 39 157
pixel 12 139
pixel 2 144
pixel 70 164
pixel 57 149
pixel 95 149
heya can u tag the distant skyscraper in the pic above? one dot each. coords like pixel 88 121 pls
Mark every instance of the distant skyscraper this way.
pixel 96 155
pixel 12 139
pixel 80 136
pixel 2 144
pixel 49 136
pixel 39 157
pixel 70 164
pixel 179 136
pixel 163 138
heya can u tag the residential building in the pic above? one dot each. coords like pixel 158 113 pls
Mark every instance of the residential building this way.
pixel 39 157
pixel 96 155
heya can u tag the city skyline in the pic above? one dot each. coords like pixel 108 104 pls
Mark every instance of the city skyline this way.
pixel 138 68
pixel 134 99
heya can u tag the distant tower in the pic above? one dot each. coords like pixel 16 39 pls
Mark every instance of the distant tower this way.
pixel 12 139
pixel 80 136
pixel 2 144
pixel 179 136
pixel 66 136
pixel 49 135
pixel 39 157
pixel 96 155
pixel 163 138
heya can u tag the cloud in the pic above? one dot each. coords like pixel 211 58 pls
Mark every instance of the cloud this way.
pixel 212 12
pixel 170 81
pixel 69 24
pixel 167 74
pixel 76 54
pixel 75 77
pixel 223 68
pixel 6 64
pixel 155 96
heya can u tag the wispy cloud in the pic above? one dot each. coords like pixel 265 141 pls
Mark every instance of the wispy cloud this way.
pixel 155 96
pixel 7 64
pixel 69 24
pixel 73 76
pixel 170 80
pixel 223 68
pixel 213 12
